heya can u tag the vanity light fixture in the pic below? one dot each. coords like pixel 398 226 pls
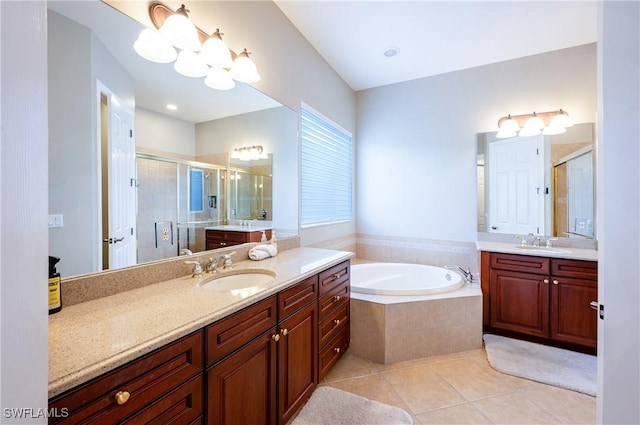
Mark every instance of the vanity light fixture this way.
pixel 249 153
pixel 549 123
pixel 200 55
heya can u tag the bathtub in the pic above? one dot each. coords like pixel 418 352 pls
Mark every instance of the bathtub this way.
pixel 403 312
pixel 403 279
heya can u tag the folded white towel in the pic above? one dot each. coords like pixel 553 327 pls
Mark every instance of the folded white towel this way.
pixel 262 251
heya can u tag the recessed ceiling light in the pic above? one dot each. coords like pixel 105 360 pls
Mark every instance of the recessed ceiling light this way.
pixel 171 107
pixel 391 51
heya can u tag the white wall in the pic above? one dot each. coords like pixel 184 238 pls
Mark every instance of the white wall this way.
pixel 162 133
pixel 23 210
pixel 416 172
pixel 618 212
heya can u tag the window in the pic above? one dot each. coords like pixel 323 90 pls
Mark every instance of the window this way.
pixel 326 170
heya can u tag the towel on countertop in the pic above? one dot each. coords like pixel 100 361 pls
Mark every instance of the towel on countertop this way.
pixel 262 251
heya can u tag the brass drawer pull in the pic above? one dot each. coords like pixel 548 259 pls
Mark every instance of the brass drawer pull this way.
pixel 336 298
pixel 122 397
pixel 337 322
pixel 337 350
pixel 284 332
pixel 275 337
pixel 546 280
pixel 336 276
pixel 555 281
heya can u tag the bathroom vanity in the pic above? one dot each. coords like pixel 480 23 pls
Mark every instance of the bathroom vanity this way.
pixel 223 358
pixel 541 295
pixel 221 236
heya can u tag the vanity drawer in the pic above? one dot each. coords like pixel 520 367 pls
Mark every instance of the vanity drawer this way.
pixel 333 277
pixel 330 300
pixel 332 352
pixel 181 406
pixel 521 263
pixel 231 333
pixel 298 296
pixel 145 379
pixel 575 269
pixel 335 321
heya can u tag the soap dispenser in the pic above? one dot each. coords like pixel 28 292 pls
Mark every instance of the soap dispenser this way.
pixel 263 239
pixel 55 301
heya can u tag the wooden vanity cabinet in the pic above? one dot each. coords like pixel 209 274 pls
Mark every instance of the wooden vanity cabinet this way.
pixel 545 298
pixel 221 238
pixel 163 386
pixel 334 316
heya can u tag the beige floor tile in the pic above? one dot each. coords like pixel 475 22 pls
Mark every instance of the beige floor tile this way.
pixel 422 389
pixel 419 362
pixel 472 380
pixel 373 387
pixel 350 366
pixel 514 408
pixel 460 414
pixel 478 356
pixel 569 406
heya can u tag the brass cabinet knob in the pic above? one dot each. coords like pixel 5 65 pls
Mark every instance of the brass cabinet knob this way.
pixel 336 276
pixel 555 281
pixel 337 349
pixel 546 280
pixel 275 337
pixel 336 298
pixel 122 397
pixel 284 332
pixel 337 321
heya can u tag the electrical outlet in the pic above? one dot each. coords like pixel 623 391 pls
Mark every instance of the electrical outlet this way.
pixel 56 220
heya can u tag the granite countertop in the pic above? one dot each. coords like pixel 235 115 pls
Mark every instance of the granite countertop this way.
pixel 91 338
pixel 238 228
pixel 542 251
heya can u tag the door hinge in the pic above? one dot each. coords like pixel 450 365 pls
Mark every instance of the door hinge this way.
pixel 601 312
pixel 132 231
pixel 130 133
pixel 537 151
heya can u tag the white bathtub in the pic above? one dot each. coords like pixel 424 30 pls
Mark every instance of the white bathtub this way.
pixel 403 279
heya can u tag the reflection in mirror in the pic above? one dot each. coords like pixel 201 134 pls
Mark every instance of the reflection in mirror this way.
pixel 540 185
pixel 180 158
pixel 250 190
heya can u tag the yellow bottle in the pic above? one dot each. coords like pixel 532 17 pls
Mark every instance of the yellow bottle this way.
pixel 55 300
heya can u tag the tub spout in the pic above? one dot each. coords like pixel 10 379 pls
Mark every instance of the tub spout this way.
pixel 466 273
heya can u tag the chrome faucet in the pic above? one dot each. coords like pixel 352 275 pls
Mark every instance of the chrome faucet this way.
pixel 548 243
pixel 185 251
pixel 212 265
pixel 197 268
pixel 468 277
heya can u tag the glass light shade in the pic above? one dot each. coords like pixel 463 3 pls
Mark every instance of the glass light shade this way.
pixel 552 130
pixel 561 120
pixel 505 134
pixel 219 79
pixel 529 131
pixel 216 53
pixel 190 65
pixel 154 47
pixel 244 69
pixel 180 31
pixel 509 125
pixel 532 127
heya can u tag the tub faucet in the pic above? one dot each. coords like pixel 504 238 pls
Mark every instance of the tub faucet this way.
pixel 468 277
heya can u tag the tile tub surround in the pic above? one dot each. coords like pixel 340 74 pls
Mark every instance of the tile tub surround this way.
pixel 386 330
pixel 93 337
pixel 89 287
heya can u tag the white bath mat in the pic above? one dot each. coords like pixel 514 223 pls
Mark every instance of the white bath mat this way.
pixel 549 365
pixel 331 406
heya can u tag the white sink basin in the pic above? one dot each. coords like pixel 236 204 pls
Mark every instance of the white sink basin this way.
pixel 551 250
pixel 239 282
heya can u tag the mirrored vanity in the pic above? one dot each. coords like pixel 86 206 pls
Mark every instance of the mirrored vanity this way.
pixel 540 185
pixel 185 177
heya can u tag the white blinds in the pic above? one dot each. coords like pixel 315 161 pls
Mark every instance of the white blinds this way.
pixel 326 170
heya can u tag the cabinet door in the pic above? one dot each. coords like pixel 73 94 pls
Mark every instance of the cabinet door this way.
pixel 297 360
pixel 572 319
pixel 520 302
pixel 241 389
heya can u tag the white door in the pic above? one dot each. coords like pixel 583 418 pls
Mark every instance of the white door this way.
pixel 121 186
pixel 516 189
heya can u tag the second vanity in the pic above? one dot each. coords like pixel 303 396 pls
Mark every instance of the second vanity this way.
pixel 176 352
pixel 546 295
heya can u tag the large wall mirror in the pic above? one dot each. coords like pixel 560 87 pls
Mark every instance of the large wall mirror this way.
pixel 183 179
pixel 540 185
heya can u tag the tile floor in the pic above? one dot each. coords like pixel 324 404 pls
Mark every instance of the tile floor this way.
pixel 460 388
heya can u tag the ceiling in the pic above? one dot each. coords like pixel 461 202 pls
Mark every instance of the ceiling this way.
pixel 435 37
pixel 431 38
